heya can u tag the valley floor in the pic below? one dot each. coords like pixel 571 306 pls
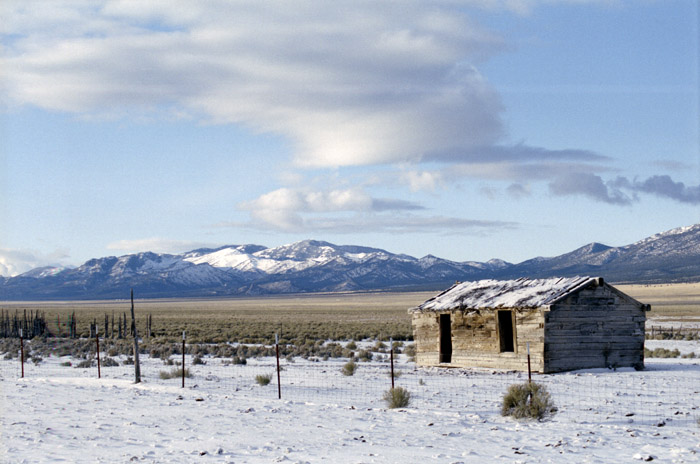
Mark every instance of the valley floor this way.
pixel 75 417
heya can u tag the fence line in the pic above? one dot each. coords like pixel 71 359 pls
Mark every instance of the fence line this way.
pixel 650 397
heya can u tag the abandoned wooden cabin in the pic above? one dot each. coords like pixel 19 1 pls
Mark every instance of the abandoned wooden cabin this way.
pixel 569 323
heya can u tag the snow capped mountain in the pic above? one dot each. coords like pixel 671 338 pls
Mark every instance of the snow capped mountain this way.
pixel 283 259
pixel 317 266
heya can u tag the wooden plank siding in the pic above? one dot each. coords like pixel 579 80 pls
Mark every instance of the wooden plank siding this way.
pixel 596 327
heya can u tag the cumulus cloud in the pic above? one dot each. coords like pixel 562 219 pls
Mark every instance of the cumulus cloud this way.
pixel 664 186
pixel 285 208
pixel 589 185
pixel 422 180
pixel 348 83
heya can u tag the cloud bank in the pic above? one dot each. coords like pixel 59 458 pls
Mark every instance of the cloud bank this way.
pixel 346 83
pixel 349 83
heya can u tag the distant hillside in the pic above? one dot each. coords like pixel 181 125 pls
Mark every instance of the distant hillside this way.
pixel 316 266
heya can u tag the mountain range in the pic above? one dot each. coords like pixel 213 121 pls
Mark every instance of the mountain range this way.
pixel 315 266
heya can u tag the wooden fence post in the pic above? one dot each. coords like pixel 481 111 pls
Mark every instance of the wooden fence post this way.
pixel 137 364
pixel 183 359
pixel 97 348
pixel 21 350
pixel 529 371
pixel 391 351
pixel 277 353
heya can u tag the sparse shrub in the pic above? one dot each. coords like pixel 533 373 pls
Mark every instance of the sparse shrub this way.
pixel 397 397
pixel 410 351
pixel 364 355
pixel 66 364
pixel 379 346
pixel 661 353
pixel 113 352
pixel 263 379
pixel 129 361
pixel 691 355
pixel 349 368
pixel 84 364
pixel 197 361
pixel 108 362
pixel 351 345
pixel 529 400
pixel 396 373
pixel 174 374
pixel 37 359
pixel 239 360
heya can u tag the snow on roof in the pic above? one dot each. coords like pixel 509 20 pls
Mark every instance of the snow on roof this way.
pixel 520 293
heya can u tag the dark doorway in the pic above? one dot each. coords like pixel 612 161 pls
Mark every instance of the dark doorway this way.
pixel 505 331
pixel 445 338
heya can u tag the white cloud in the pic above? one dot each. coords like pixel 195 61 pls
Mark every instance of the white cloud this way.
pixel 349 83
pixel 289 209
pixel 294 199
pixel 15 262
pixel 156 245
pixel 422 180
pixel 368 223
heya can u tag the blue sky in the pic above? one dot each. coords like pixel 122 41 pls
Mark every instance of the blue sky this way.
pixel 470 129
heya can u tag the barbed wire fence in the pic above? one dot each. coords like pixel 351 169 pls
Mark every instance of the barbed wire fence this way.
pixel 652 397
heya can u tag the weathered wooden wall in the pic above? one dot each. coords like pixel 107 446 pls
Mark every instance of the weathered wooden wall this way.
pixel 475 340
pixel 596 327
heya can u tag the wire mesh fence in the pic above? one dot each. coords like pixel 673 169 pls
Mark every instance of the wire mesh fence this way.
pixel 664 394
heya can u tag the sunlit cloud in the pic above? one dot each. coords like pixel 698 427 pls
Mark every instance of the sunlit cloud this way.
pixel 348 83
pixel 294 209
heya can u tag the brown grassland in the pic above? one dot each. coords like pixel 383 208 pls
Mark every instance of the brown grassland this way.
pixel 296 318
pixel 675 301
pixel 300 318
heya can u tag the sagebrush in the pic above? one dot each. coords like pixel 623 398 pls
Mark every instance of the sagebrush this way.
pixel 174 374
pixel 263 379
pixel 349 368
pixel 397 397
pixel 528 400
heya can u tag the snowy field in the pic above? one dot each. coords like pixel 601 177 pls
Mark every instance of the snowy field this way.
pixel 60 413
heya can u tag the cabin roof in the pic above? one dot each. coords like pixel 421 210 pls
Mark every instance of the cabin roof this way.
pixel 491 294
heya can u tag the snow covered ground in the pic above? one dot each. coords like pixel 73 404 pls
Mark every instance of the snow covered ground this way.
pixel 66 414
